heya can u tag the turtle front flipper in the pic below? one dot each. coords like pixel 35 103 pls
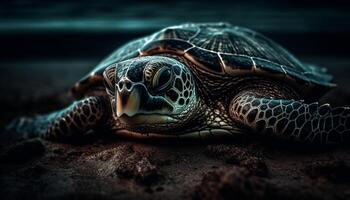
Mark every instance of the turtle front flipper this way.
pixel 292 119
pixel 76 119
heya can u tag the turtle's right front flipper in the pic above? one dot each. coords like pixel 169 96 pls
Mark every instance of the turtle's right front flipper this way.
pixel 76 119
pixel 292 119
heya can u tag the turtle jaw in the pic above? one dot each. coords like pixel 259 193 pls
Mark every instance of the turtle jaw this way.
pixel 161 124
pixel 140 119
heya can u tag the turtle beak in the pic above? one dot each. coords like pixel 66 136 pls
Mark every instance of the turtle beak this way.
pixel 134 100
pixel 128 102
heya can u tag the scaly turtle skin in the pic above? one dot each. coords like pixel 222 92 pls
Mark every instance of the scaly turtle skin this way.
pixel 200 80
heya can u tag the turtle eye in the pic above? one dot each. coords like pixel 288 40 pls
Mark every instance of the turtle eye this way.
pixel 162 78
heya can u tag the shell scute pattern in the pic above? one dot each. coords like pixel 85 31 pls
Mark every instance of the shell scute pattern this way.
pixel 222 49
pixel 209 60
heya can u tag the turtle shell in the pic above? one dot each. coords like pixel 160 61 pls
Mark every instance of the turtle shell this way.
pixel 217 48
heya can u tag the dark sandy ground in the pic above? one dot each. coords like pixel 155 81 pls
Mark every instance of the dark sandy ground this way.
pixel 109 167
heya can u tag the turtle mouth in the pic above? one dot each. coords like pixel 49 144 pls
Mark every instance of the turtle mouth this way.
pixel 203 134
pixel 143 119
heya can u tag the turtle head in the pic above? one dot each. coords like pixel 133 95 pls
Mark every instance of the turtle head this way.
pixel 151 94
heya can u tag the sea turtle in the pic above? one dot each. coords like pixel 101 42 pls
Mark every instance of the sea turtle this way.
pixel 200 80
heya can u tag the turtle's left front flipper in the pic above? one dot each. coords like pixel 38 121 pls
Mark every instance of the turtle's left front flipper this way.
pixel 291 119
pixel 76 119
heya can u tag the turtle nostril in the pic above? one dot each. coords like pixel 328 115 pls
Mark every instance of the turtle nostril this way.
pixel 120 84
pixel 127 85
